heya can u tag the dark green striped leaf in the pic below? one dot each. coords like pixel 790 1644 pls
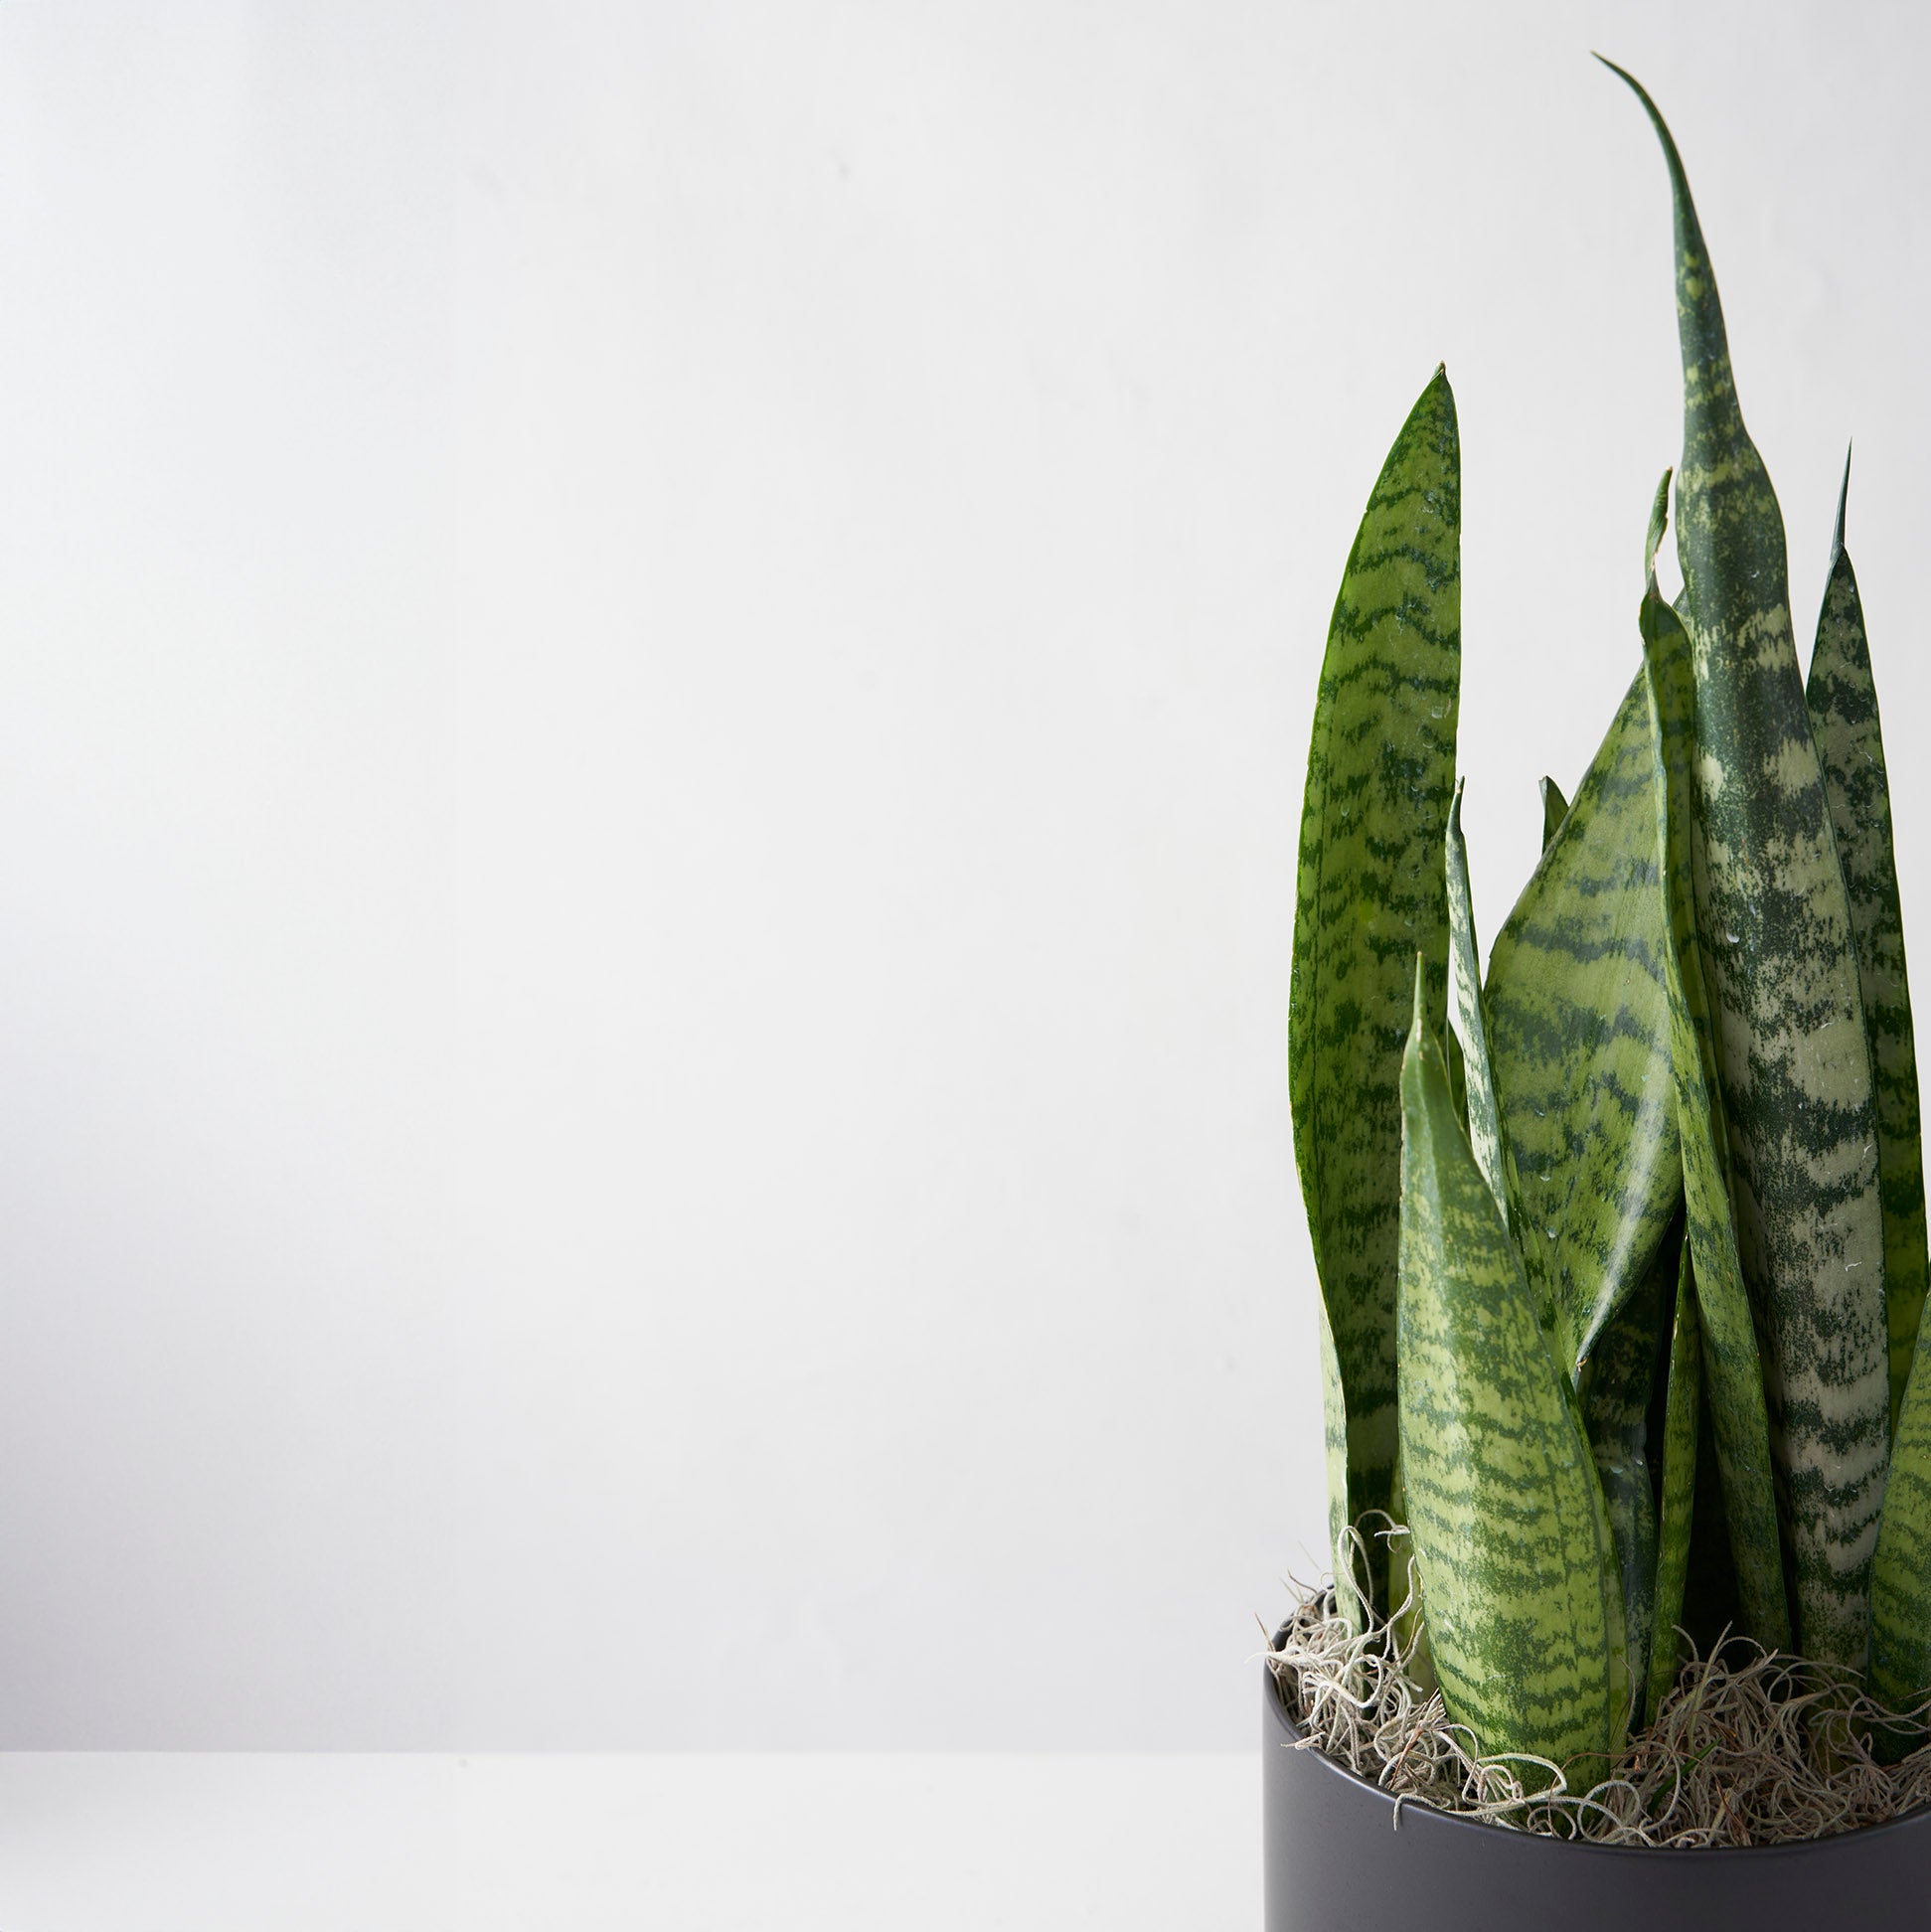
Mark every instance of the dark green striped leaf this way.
pixel 1580 1041
pixel 1555 809
pixel 1615 1391
pixel 1843 701
pixel 1731 1362
pixel 1900 1581
pixel 1782 978
pixel 1576 980
pixel 1372 893
pixel 1511 1536
pixel 1679 1486
pixel 1578 1024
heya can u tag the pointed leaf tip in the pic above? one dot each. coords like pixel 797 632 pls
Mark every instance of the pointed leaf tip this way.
pixel 1658 523
pixel 1844 497
pixel 1654 113
pixel 1697 309
pixel 1623 73
pixel 1555 808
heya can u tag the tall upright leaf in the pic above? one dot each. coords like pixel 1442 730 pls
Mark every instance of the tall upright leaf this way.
pixel 1615 1391
pixel 1792 1062
pixel 1579 1026
pixel 1732 1370
pixel 1900 1579
pixel 1675 1510
pixel 1373 893
pixel 1580 1038
pixel 1510 1534
pixel 1478 1100
pixel 1843 701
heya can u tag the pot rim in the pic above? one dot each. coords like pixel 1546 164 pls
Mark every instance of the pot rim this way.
pixel 1276 1702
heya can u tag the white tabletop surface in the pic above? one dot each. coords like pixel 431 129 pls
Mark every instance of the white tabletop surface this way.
pixel 208 1842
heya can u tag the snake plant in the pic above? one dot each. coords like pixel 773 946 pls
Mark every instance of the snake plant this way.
pixel 1622 1246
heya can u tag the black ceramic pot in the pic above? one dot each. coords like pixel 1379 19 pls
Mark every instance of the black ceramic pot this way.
pixel 1335 1860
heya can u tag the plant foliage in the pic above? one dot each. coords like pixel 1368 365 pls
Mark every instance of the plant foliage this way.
pixel 1622 1247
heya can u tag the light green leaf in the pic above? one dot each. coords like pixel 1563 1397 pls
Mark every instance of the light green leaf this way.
pixel 1580 1040
pixel 1372 893
pixel 1406 1611
pixel 1485 1129
pixel 1731 1364
pixel 1578 1021
pixel 1341 1552
pixel 1509 1532
pixel 1555 809
pixel 1843 700
pixel 1579 1037
pixel 1676 1515
pixel 1780 971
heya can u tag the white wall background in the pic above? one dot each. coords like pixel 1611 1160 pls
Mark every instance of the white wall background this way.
pixel 654 670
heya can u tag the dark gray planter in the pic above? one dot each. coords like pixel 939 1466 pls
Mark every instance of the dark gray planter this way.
pixel 1335 1860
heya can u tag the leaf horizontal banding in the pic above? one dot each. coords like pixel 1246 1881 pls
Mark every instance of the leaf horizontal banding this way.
pixel 1900 1581
pixel 1732 1372
pixel 1372 893
pixel 1508 1528
pixel 1580 1040
pixel 1579 1032
pixel 1841 697
pixel 1784 1002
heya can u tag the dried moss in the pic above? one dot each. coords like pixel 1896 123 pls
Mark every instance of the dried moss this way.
pixel 1749 1748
